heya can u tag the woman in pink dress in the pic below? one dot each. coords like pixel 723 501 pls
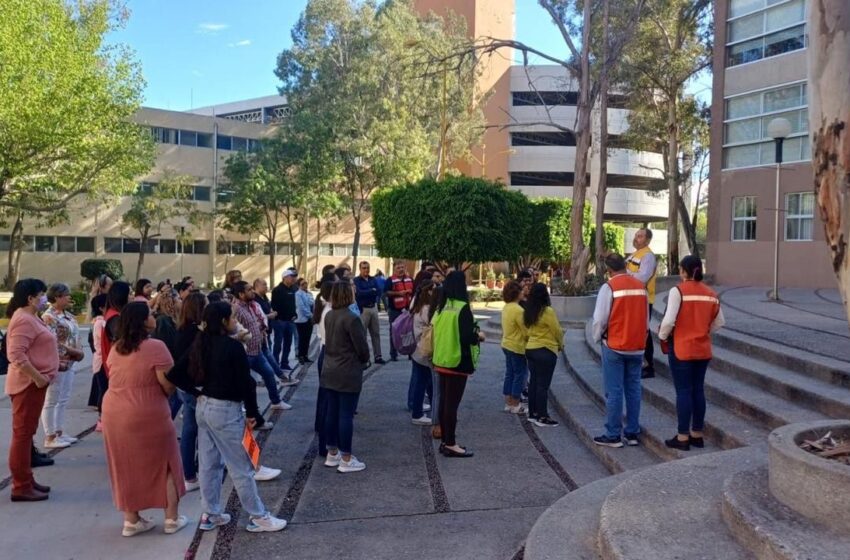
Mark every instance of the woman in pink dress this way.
pixel 140 439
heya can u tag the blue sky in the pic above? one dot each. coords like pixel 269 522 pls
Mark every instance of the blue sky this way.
pixel 203 52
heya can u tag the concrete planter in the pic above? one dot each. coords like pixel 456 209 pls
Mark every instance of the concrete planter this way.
pixel 815 487
pixel 574 308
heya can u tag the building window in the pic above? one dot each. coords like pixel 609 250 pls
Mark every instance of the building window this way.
pixel 223 142
pixel 130 245
pixel 167 246
pixel 241 248
pixel 45 244
pixel 542 178
pixel 205 140
pixel 223 195
pixel 239 144
pixel 544 98
pixel 203 194
pixel 760 29
pixel 543 139
pixel 799 216
pixel 112 244
pixel 85 244
pixel 188 138
pixel 163 135
pixel 343 249
pixel 745 139
pixel 199 247
pixel 66 244
pixel 744 218
pixel 326 249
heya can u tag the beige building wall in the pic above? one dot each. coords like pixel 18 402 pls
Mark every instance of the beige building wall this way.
pixel 801 263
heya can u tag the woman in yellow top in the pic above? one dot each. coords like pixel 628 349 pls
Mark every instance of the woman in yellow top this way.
pixel 514 337
pixel 545 340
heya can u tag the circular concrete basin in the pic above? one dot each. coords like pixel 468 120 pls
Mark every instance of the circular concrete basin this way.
pixel 816 487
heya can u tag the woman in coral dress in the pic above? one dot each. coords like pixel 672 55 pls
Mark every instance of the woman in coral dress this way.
pixel 140 439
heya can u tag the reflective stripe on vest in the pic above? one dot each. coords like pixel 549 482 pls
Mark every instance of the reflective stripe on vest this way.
pixel 692 334
pixel 627 322
pixel 633 266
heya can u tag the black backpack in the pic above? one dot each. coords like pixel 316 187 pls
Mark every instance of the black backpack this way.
pixel 4 359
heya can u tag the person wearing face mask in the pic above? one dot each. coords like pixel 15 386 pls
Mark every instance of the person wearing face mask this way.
pixel 136 418
pixel 33 363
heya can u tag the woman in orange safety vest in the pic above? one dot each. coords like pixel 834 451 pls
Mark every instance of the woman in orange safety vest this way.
pixel 693 313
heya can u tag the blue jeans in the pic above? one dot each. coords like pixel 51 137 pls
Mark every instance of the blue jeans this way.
pixel 435 397
pixel 689 380
pixel 261 365
pixel 284 333
pixel 174 403
pixel 421 380
pixel 516 372
pixel 221 425
pixel 189 435
pixel 622 379
pixel 339 419
pixel 267 352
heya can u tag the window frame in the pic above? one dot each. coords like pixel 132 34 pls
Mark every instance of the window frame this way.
pixel 799 217
pixel 745 219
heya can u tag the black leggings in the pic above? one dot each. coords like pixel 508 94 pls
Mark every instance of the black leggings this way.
pixel 541 366
pixel 102 386
pixel 305 332
pixel 451 393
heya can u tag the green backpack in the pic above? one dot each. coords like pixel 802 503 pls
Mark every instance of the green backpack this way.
pixel 446 337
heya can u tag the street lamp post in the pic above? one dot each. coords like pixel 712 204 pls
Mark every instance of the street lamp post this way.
pixel 778 129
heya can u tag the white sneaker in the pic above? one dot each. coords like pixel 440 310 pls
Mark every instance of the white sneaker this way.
pixel 70 439
pixel 282 405
pixel 56 443
pixel 210 522
pixel 191 486
pixel 426 407
pixel 289 381
pixel 174 525
pixel 267 425
pixel 141 526
pixel 265 524
pixel 518 409
pixel 352 465
pixel 508 408
pixel 422 421
pixel 333 460
pixel 266 473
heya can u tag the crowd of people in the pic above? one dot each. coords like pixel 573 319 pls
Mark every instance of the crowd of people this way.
pixel 159 349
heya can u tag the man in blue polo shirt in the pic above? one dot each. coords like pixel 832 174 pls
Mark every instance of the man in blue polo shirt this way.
pixel 367 294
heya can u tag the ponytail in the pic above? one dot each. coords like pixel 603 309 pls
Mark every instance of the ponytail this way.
pixel 692 265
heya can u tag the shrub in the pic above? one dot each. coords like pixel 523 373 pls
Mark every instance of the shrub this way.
pixel 92 268
pixel 79 298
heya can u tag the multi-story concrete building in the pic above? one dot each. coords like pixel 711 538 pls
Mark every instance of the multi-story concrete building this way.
pixel 536 159
pixel 760 74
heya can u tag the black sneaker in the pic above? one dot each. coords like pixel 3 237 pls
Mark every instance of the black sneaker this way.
pixel 696 441
pixel 676 443
pixel 545 422
pixel 380 360
pixel 40 460
pixel 631 439
pixel 647 373
pixel 608 441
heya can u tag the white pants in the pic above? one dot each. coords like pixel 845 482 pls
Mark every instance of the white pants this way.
pixel 56 402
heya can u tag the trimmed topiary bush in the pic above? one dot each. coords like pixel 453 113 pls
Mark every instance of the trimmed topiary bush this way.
pixel 92 268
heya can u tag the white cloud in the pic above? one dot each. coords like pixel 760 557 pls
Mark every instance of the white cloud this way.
pixel 211 28
pixel 242 43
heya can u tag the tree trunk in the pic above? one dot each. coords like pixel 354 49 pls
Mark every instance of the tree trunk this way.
pixel 672 166
pixel 580 253
pixel 355 246
pixel 16 247
pixel 689 227
pixel 318 244
pixel 304 226
pixel 272 255
pixel 829 118
pixel 143 241
pixel 602 184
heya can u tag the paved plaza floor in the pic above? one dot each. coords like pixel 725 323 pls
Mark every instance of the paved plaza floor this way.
pixel 410 502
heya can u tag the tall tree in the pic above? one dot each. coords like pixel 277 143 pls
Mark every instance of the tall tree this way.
pixel 672 46
pixel 167 203
pixel 275 188
pixel 351 86
pixel 66 102
pixel 576 21
pixel 829 119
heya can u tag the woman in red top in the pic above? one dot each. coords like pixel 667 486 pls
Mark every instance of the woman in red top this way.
pixel 33 363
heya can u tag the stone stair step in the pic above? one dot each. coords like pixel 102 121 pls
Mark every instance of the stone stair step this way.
pixel 723 430
pixel 584 417
pixel 673 511
pixel 751 402
pixel 771 530
pixel 570 527
pixel 807 364
pixel 655 424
